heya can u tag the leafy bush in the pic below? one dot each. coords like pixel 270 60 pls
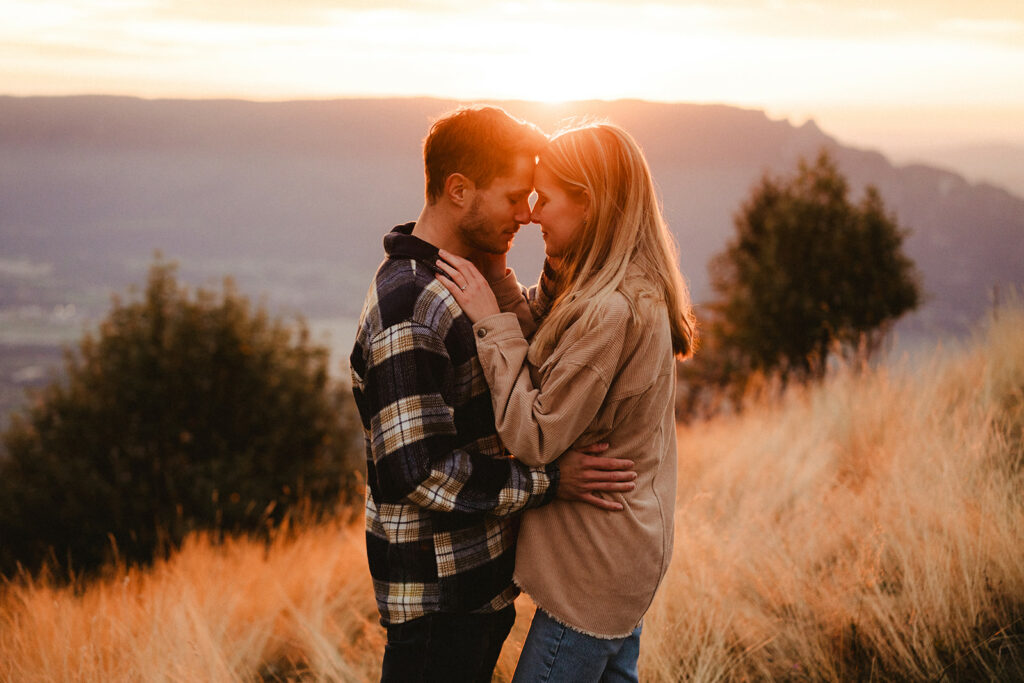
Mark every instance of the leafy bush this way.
pixel 807 275
pixel 182 412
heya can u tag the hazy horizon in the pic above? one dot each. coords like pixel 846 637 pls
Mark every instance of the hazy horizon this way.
pixel 909 77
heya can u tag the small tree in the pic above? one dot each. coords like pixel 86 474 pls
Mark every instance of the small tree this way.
pixel 182 412
pixel 808 272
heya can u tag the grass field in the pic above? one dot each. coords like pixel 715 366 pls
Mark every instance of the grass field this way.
pixel 871 528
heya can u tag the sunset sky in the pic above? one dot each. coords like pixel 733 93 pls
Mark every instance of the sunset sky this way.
pixel 900 73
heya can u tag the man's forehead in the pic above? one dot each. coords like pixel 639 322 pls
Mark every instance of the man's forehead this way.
pixel 521 176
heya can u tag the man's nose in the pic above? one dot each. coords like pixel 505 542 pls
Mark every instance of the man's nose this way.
pixel 523 212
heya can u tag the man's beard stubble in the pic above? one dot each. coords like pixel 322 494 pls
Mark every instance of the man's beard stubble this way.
pixel 479 233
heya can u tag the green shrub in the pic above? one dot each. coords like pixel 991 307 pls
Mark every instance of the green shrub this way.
pixel 809 273
pixel 183 411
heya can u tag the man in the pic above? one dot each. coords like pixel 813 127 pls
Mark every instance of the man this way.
pixel 442 495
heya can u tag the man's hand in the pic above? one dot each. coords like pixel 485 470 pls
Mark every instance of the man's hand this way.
pixel 583 475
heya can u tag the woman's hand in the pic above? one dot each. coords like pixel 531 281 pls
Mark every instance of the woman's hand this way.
pixel 468 286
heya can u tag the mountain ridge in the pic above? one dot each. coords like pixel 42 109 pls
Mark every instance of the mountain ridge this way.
pixel 241 184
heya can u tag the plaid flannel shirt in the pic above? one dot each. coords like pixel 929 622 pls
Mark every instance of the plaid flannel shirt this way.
pixel 442 494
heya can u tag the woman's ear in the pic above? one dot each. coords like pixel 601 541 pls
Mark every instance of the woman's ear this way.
pixel 457 188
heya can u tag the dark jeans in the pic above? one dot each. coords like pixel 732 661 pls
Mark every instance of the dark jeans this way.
pixel 446 647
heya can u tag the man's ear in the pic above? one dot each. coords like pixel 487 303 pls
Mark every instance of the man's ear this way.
pixel 458 188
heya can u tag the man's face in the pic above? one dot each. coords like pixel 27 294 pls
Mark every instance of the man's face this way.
pixel 495 213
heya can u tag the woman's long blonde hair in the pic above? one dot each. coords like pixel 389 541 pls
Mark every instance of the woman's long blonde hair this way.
pixel 624 229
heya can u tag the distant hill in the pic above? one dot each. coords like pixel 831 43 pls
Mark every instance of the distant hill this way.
pixel 293 197
pixel 998 164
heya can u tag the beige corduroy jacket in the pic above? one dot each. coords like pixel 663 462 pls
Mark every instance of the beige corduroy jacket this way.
pixel 614 382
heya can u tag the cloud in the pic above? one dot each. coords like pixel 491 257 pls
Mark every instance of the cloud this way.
pixel 291 13
pixel 752 52
pixel 984 27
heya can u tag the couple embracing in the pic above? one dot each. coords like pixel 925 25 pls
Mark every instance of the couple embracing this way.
pixel 521 438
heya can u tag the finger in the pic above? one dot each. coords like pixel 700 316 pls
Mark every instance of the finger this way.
pixel 448 268
pixel 453 274
pixel 598 463
pixel 609 475
pixel 609 505
pixel 466 268
pixel 451 258
pixel 612 486
pixel 454 264
pixel 472 275
pixel 593 449
pixel 455 290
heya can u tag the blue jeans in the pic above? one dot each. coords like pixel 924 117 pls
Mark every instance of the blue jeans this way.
pixel 446 647
pixel 553 652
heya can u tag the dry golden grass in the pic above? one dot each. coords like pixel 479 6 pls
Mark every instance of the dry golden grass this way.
pixel 870 528
pixel 236 611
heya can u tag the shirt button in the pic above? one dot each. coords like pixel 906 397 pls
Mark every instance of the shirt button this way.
pixel 481 333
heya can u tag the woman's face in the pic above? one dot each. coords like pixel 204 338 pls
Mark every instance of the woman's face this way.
pixel 559 213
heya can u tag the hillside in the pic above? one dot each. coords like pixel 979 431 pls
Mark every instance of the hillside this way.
pixel 292 199
pixel 999 164
pixel 868 528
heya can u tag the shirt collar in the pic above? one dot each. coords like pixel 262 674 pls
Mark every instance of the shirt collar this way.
pixel 401 243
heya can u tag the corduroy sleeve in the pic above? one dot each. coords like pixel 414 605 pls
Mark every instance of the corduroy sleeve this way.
pixel 413 434
pixel 538 422
pixel 512 297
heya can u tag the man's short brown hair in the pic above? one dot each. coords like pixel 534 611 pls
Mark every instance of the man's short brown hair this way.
pixel 480 142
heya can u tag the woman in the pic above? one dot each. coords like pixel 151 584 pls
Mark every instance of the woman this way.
pixel 613 311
